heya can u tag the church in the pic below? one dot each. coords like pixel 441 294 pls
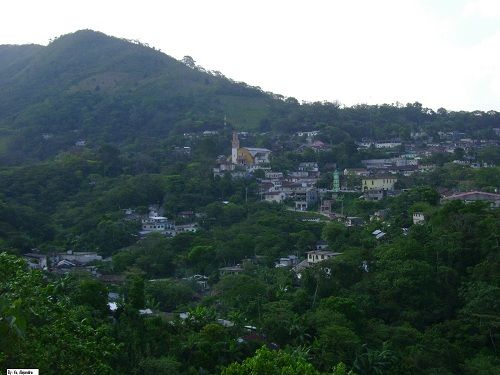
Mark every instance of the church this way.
pixel 248 156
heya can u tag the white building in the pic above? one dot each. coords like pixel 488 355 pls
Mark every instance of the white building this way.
pixel 273 175
pixel 288 261
pixel 79 257
pixel 186 228
pixel 418 218
pixel 308 134
pixel 317 256
pixel 36 261
pixel 155 224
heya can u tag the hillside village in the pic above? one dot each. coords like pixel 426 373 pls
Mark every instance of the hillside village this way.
pixel 299 190
pixel 160 218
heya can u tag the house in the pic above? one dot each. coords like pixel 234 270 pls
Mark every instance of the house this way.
pixel 64 264
pixel 36 261
pixel 186 228
pixel 288 261
pixel 418 218
pixel 78 257
pixel 154 223
pixel 308 134
pixel 273 175
pixel 356 172
pixel 310 166
pixel 379 144
pixel 231 270
pixel 386 163
pixel 378 234
pixel 473 196
pixel 305 198
pixel 313 257
pixel 319 146
pixel 317 256
pixel 378 183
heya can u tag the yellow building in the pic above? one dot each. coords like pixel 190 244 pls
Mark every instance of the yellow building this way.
pixel 248 155
pixel 378 183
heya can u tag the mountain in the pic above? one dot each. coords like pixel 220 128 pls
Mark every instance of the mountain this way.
pixel 12 57
pixel 101 89
pixel 87 85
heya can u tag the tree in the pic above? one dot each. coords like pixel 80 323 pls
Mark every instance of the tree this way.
pixel 135 292
pixel 267 362
pixel 277 319
pixel 42 328
pixel 189 61
pixel 374 362
pixel 169 294
pixel 161 366
pixel 93 294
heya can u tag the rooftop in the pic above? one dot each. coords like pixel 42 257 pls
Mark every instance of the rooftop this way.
pixel 322 252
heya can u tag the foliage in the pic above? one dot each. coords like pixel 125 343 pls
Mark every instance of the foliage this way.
pixel 41 327
pixel 267 362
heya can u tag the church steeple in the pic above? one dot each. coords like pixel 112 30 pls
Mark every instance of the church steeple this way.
pixel 235 147
pixel 236 141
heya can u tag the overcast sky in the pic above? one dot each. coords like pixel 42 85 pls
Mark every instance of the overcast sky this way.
pixel 442 53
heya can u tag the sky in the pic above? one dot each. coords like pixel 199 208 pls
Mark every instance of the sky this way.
pixel 441 53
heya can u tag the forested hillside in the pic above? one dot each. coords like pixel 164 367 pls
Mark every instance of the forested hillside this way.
pixel 93 87
pixel 132 242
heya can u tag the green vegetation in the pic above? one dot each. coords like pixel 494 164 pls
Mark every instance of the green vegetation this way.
pixel 421 303
pixel 423 300
pixel 92 87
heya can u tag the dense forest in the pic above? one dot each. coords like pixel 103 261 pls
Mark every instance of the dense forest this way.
pixel 93 126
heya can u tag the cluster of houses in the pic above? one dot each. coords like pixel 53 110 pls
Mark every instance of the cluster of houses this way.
pixel 292 262
pixel 422 145
pixel 155 222
pixel 299 186
pixel 419 146
pixel 63 262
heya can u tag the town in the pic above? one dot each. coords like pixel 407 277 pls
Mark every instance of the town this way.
pixel 303 190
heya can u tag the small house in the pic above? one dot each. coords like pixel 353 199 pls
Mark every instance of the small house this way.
pixel 418 218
